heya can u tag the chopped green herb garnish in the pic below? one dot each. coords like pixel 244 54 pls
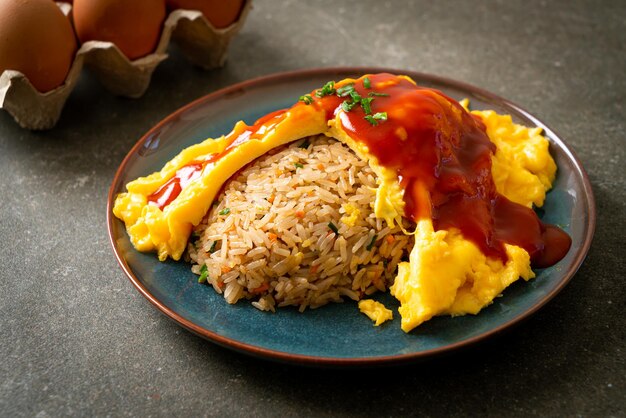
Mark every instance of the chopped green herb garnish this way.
pixel 371 244
pixel 203 274
pixel 195 234
pixel 333 227
pixel 366 104
pixel 305 144
pixel 380 116
pixel 224 211
pixel 298 165
pixel 212 248
pixel 356 97
pixel 307 99
pixel 373 119
pixel 347 106
pixel 345 90
pixel 327 90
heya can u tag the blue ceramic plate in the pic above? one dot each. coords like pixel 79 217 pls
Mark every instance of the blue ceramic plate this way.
pixel 335 334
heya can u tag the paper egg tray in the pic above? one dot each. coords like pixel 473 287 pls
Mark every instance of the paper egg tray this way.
pixel 199 41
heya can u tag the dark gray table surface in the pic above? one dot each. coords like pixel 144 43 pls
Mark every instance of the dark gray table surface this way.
pixel 77 339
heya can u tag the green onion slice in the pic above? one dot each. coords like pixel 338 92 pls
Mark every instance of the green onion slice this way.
pixel 347 106
pixel 203 274
pixel 307 99
pixel 345 90
pixel 366 104
pixel 373 119
pixel 327 90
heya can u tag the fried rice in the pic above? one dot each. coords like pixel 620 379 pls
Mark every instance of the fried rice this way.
pixel 297 228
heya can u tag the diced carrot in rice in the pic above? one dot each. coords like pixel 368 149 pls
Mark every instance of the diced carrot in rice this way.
pixel 260 289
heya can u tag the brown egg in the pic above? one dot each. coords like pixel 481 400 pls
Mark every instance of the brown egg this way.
pixel 37 39
pixel 133 25
pixel 221 13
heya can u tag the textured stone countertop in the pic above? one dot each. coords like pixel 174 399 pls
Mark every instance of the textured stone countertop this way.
pixel 76 339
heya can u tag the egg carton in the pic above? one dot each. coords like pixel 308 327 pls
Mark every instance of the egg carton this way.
pixel 200 42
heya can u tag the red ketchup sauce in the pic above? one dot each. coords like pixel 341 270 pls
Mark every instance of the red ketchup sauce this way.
pixel 440 150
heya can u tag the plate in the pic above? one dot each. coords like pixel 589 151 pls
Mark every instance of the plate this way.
pixel 336 334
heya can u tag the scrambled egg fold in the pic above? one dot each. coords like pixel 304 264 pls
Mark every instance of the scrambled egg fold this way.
pixel 522 167
pixel 445 275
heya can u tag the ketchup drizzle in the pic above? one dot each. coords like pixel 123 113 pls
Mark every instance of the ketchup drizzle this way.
pixel 434 144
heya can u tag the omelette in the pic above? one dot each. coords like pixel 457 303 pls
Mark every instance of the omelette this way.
pixel 465 181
